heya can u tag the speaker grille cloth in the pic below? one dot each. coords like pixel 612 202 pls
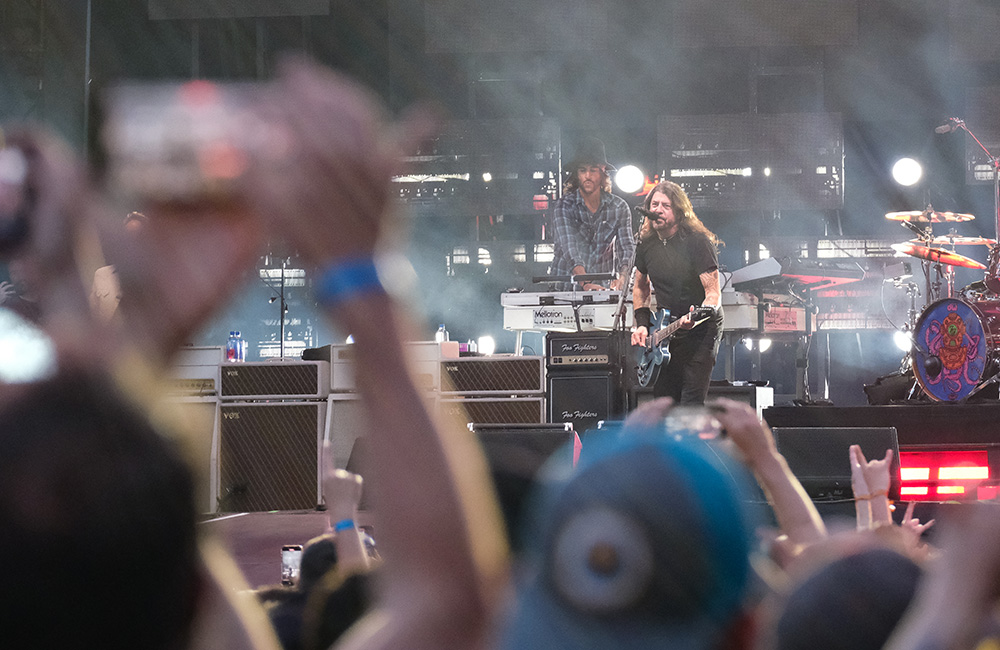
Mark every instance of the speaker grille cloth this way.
pixel 495 411
pixel 268 457
pixel 269 380
pixel 515 375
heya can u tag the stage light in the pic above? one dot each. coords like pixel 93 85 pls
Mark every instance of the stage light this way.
pixel 907 172
pixel 630 179
pixel 902 340
pixel 486 345
pixel 350 339
pixel 487 177
pixel 765 345
pixel 767 171
pixel 748 342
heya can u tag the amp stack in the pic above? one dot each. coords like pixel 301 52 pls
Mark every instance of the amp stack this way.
pixel 585 381
pixel 494 390
pixel 272 417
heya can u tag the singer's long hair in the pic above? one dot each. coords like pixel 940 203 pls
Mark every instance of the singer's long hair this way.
pixel 573 180
pixel 687 220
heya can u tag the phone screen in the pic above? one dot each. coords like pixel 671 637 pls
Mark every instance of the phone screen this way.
pixel 291 559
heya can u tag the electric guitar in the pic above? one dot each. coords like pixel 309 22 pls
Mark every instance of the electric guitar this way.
pixel 656 352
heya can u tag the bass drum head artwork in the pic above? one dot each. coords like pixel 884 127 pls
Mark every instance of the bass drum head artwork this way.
pixel 950 350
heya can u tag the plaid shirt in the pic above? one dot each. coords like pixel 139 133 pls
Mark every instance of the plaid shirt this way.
pixel 600 242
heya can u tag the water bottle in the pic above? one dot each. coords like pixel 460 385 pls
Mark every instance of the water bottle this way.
pixel 441 335
pixel 236 347
pixel 243 346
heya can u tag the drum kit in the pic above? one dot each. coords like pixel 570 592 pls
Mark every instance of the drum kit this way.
pixel 955 349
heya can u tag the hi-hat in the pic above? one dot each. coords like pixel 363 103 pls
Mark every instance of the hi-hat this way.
pixel 945 240
pixel 939 255
pixel 930 216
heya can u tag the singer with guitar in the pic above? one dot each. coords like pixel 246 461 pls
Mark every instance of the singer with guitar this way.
pixel 678 256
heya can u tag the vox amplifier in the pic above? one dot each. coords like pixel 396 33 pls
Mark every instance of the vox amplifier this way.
pixel 298 379
pixel 493 376
pixel 269 455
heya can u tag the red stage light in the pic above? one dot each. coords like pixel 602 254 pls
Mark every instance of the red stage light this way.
pixel 944 475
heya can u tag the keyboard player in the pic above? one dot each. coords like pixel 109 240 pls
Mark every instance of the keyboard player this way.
pixel 592 228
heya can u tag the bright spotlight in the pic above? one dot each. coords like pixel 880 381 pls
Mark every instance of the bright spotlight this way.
pixel 349 340
pixel 907 172
pixel 487 177
pixel 630 179
pixel 748 342
pixel 765 345
pixel 902 340
pixel 486 345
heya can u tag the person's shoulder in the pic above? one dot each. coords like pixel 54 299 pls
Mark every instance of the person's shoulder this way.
pixel 568 200
pixel 615 200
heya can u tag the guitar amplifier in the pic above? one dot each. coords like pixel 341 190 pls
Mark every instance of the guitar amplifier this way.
pixel 269 455
pixel 424 358
pixel 493 376
pixel 572 350
pixel 585 398
pixel 511 410
pixel 298 379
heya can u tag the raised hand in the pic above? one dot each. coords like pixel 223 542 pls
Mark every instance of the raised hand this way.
pixel 875 473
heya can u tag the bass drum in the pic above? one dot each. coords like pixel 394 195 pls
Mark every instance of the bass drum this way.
pixel 951 349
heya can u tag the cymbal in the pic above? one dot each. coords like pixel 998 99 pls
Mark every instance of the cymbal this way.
pixel 938 255
pixel 926 216
pixel 945 240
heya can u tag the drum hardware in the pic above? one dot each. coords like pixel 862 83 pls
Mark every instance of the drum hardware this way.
pixel 957 240
pixel 928 215
pixel 938 255
pixel 992 278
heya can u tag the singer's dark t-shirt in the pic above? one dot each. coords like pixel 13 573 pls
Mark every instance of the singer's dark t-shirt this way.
pixel 674 266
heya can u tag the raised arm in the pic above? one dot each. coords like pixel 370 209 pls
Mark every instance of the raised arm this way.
pixel 796 514
pixel 438 525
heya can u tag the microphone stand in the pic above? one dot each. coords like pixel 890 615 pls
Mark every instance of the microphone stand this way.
pixel 992 279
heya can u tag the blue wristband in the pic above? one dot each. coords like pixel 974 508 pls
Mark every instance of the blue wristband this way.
pixel 346 279
pixel 343 524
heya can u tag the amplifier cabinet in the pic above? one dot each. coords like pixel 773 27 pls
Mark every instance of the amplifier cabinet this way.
pixel 347 420
pixel 197 419
pixel 269 455
pixel 424 358
pixel 195 371
pixel 483 410
pixel 573 350
pixel 267 379
pixel 585 398
pixel 493 376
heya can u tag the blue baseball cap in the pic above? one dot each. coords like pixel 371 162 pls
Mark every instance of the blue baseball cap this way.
pixel 645 544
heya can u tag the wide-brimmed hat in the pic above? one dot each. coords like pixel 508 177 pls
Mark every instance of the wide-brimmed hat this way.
pixel 587 151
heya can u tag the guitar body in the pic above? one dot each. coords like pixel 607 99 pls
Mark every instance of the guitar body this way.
pixel 656 352
pixel 650 357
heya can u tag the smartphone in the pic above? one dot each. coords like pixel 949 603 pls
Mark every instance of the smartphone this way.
pixel 291 560
pixel 182 142
pixel 694 421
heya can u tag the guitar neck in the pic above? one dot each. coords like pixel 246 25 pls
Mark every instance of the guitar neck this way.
pixel 668 331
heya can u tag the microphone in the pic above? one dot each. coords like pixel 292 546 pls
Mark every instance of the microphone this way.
pixel 952 124
pixel 649 214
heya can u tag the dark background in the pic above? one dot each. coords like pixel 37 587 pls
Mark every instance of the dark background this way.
pixel 891 69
